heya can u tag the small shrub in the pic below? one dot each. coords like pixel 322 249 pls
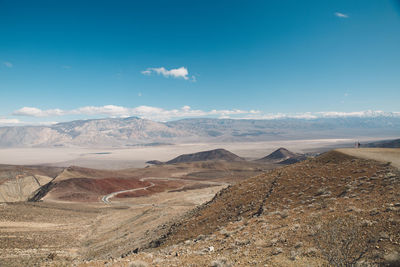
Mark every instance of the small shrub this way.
pixel 392 259
pixel 221 262
pixel 344 241
pixel 138 263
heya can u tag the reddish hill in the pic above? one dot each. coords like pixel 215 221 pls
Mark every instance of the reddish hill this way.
pixel 88 189
pixel 89 185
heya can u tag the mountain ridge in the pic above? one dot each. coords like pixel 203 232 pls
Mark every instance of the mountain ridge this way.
pixel 298 215
pixel 121 132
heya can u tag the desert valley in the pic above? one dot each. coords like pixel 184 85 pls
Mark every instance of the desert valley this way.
pixel 264 206
pixel 212 133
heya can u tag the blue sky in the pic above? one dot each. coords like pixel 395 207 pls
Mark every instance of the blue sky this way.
pixel 63 60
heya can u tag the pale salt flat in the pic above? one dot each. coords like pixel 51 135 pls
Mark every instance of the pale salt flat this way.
pixel 135 157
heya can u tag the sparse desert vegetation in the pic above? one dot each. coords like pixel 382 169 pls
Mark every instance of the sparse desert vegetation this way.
pixel 332 210
pixel 199 133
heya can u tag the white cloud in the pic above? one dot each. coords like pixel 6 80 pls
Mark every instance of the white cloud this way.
pixel 341 15
pixel 276 116
pixel 36 112
pixel 160 114
pixel 325 114
pixel 181 72
pixel 148 112
pixel 8 64
pixel 109 110
pixel 367 113
pixel 17 122
pixel 4 121
pixel 146 72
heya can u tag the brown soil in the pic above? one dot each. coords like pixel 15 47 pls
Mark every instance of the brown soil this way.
pixel 35 231
pixel 192 187
pixel 160 186
pixel 298 215
pixel 89 185
pixel 334 210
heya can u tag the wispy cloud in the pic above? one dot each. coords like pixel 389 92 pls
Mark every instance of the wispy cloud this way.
pixel 341 15
pixel 325 114
pixel 5 121
pixel 8 64
pixel 181 72
pixel 148 112
pixel 36 112
pixel 367 113
pixel 16 122
pixel 160 114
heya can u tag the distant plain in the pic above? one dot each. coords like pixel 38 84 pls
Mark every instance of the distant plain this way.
pixel 136 157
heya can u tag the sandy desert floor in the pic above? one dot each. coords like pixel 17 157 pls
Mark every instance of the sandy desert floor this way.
pixel 66 232
pixel 34 232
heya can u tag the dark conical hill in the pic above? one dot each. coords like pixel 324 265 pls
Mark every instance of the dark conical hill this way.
pixel 278 155
pixel 216 154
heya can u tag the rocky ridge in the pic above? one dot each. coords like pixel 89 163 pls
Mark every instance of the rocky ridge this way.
pixel 332 210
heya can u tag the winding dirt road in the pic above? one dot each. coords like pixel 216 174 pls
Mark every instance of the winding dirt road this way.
pixel 106 198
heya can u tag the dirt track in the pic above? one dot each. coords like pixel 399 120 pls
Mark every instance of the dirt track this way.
pixel 380 154
pixel 106 198
pixel 31 232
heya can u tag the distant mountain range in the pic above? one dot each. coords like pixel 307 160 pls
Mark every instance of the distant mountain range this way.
pixel 133 131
